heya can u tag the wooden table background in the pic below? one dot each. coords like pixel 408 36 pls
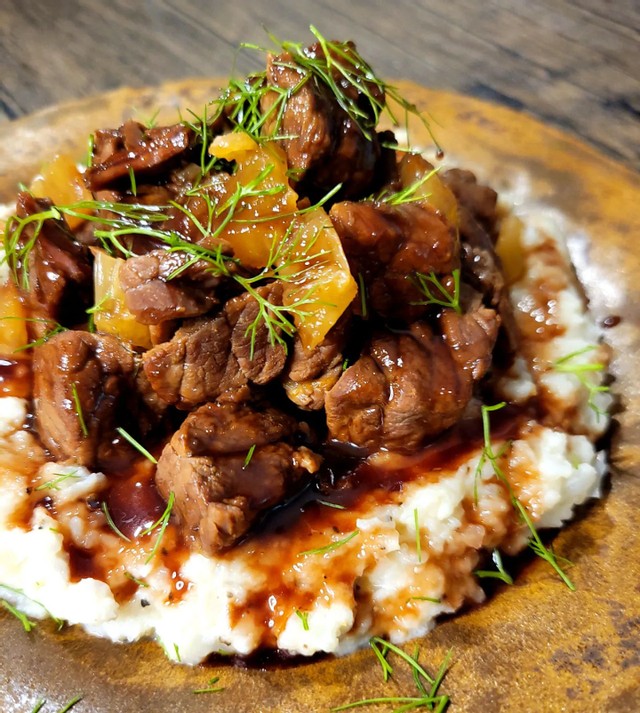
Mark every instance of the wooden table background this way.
pixel 574 64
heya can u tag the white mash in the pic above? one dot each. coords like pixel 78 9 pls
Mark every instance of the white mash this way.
pixel 401 562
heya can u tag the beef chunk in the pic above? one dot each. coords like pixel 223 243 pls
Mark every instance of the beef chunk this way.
pixel 409 387
pixel 134 147
pixel 82 378
pixel 260 356
pixel 325 146
pixel 477 217
pixel 195 365
pixel 388 244
pixel 471 338
pixel 58 268
pixel 213 359
pixel 311 373
pixel 406 388
pixel 219 491
pixel 154 295
pixel 473 198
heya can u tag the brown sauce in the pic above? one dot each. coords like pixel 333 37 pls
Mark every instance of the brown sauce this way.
pixel 15 376
pixel 83 564
pixel 349 487
pixel 133 500
pixel 612 320
pixel 275 545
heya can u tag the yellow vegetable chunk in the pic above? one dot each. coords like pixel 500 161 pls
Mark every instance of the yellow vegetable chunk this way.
pixel 61 181
pixel 232 146
pixel 265 211
pixel 13 328
pixel 413 169
pixel 509 248
pixel 319 285
pixel 111 315
pixel 319 282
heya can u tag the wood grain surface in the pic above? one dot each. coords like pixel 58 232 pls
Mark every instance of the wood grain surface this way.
pixel 572 63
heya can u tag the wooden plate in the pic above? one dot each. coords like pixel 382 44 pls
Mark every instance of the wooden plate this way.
pixel 533 646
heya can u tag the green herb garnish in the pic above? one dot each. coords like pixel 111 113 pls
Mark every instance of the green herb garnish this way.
pixel 567 365
pixel 111 523
pixel 27 624
pixel 499 573
pixel 90 146
pixel 409 194
pixel 78 407
pixel 70 704
pixel 211 687
pixel 140 448
pixel 304 618
pixel 426 684
pixel 132 180
pixel 436 293
pixel 336 506
pixel 330 547
pixel 535 542
pixel 54 483
pixel 56 329
pixel 162 523
pixel 137 581
pixel 59 622
pixel 249 456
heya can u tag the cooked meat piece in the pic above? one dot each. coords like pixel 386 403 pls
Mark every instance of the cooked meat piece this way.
pixel 260 356
pixel 355 405
pixel 471 338
pixel 474 198
pixel 211 359
pixel 313 372
pixel 219 490
pixel 388 244
pixel 134 147
pixel 477 216
pixel 154 296
pixel 325 145
pixel 85 382
pixel 58 268
pixel 409 387
pixel 233 428
pixel 196 365
pixel 481 266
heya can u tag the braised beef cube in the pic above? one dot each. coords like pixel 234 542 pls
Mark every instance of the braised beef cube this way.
pixel 216 358
pixel 226 465
pixel 260 355
pixel 478 200
pixel 159 288
pixel 135 148
pixel 325 146
pixel 84 389
pixel 471 338
pixel 477 217
pixel 196 365
pixel 410 387
pixel 388 244
pixel 58 268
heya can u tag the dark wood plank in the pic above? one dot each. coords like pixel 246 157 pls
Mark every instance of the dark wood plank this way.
pixel 573 64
